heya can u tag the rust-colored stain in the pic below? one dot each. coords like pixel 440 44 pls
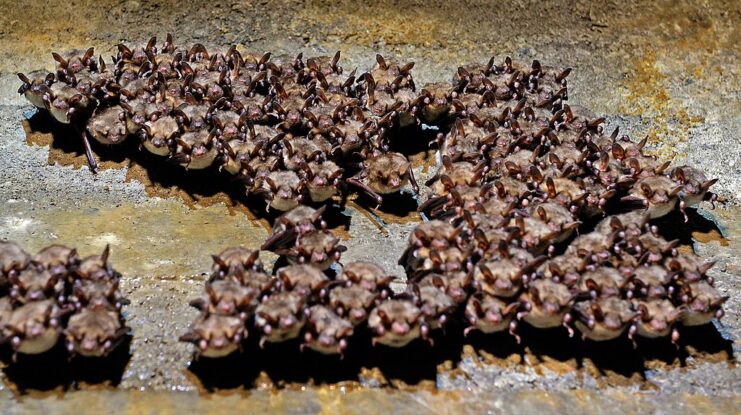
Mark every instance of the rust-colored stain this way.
pixel 710 236
pixel 193 200
pixel 65 146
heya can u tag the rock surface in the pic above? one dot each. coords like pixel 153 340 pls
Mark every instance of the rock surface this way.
pixel 659 69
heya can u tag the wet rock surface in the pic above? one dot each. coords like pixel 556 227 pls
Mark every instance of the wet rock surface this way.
pixel 662 70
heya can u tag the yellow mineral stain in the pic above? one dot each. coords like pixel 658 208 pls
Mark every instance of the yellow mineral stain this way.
pixel 384 20
pixel 558 366
pixel 647 97
pixel 424 159
pixel 686 42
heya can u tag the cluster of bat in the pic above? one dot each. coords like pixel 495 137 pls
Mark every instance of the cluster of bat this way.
pixel 518 178
pixel 293 130
pixel 297 130
pixel 56 294
pixel 519 172
pixel 621 276
pixel 299 300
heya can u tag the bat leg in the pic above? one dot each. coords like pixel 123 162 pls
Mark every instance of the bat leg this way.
pixel 366 189
pixel 415 187
pixel 92 164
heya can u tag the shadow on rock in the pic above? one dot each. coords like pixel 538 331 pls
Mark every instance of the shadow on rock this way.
pixel 55 369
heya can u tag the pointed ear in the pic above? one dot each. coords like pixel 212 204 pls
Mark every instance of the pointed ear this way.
pixel 542 213
pixel 75 99
pixel 169 45
pixel 381 61
pixel 335 59
pixel 646 189
pixel 220 262
pixel 720 300
pixel 124 51
pixel 555 269
pixel 23 78
pixel 702 269
pixel 512 168
pixel 477 305
pixel 634 165
pixel 560 77
pixel 183 144
pixel 127 107
pixel 152 44
pixel 520 105
pixel 535 296
pixel 382 314
pixel 447 182
pixel 643 313
pixel 706 184
pixel 436 258
pixel 265 58
pixel 57 57
pixel 271 183
pixel 288 147
pixel 189 337
pixel 597 311
pixel 438 282
pixel 592 285
pixel 551 186
pixel 51 282
pixel 217 123
pixel 88 54
pixel 486 271
pixel 211 293
pixel 105 254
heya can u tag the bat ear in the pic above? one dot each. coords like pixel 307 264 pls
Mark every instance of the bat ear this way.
pixel 152 43
pixel 24 78
pixel 535 295
pixel 88 54
pixel 477 305
pixel 643 313
pixel 254 256
pixel 105 254
pixel 382 314
pixel 57 57
pixel 220 262
pixel 381 61
pixel 592 285
pixel 597 311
